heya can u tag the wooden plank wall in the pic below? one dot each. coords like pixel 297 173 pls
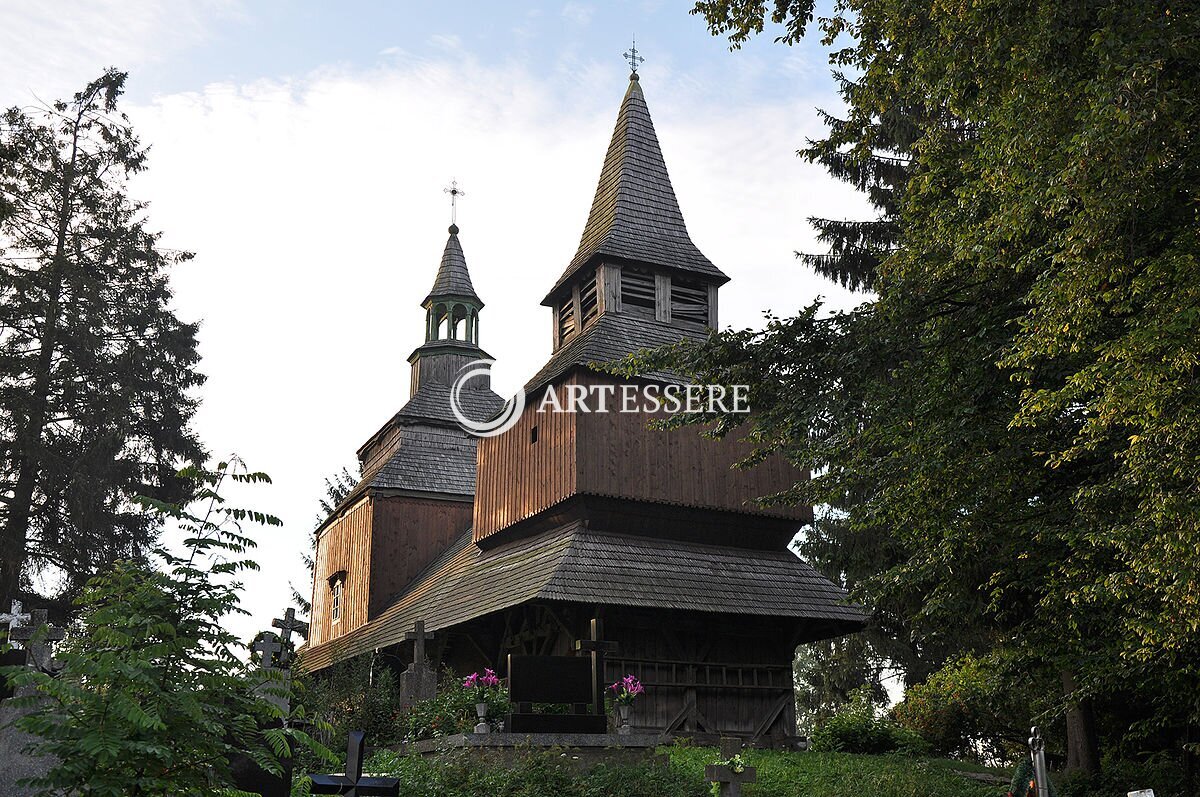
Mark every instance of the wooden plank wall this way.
pixel 734 670
pixel 517 478
pixel 409 533
pixel 344 545
pixel 619 456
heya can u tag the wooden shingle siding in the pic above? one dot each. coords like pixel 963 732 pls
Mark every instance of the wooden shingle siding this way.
pixel 518 478
pixel 618 456
pixel 344 546
pixel 410 533
pixel 577 566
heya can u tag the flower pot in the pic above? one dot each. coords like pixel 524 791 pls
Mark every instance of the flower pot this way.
pixel 623 726
pixel 481 712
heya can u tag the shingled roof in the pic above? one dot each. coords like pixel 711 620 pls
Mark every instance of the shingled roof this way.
pixel 611 337
pixel 453 279
pixel 576 564
pixel 635 215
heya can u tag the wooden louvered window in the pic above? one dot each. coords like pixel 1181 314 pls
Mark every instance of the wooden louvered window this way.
pixel 566 320
pixel 589 306
pixel 637 291
pixel 689 302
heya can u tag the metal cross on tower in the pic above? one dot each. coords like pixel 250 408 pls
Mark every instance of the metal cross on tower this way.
pixel 455 192
pixel 633 58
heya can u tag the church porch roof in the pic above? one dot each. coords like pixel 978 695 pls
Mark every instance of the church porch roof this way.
pixel 576 564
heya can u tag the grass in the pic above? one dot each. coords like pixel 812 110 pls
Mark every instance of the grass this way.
pixel 780 774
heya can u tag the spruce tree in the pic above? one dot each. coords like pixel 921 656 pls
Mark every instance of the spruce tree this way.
pixel 96 371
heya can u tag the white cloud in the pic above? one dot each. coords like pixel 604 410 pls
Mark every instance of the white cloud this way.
pixel 316 210
pixel 579 14
pixel 54 48
pixel 317 213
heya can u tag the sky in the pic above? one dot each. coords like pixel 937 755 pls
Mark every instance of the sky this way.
pixel 300 149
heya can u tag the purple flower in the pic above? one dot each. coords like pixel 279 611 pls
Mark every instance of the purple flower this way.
pixel 626 689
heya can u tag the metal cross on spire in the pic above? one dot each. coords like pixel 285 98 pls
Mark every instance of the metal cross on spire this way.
pixel 633 58
pixel 455 192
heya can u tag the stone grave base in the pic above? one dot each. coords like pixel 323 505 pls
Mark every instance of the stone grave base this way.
pixel 582 750
pixel 15 763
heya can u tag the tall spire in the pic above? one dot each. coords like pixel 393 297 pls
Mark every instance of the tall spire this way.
pixel 453 280
pixel 635 215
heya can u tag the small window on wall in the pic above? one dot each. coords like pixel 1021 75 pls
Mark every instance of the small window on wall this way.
pixel 689 302
pixel 589 307
pixel 566 320
pixel 637 291
pixel 337 583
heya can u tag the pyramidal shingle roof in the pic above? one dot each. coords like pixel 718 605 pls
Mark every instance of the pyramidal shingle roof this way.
pixel 453 279
pixel 635 214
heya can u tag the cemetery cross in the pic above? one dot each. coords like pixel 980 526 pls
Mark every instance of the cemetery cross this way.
pixel 287 624
pixel 418 636
pixel 729 780
pixel 34 638
pixel 15 618
pixel 598 650
pixel 352 783
pixel 267 647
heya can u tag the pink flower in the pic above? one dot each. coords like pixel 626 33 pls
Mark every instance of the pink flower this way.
pixel 626 689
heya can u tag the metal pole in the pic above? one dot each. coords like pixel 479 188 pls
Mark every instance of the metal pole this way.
pixel 1037 747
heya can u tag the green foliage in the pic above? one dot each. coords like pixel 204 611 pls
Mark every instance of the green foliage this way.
pixel 971 708
pixel 453 710
pixel 97 374
pixel 1013 422
pixel 152 697
pixel 1165 776
pixel 827 672
pixel 779 774
pixel 354 694
pixel 858 727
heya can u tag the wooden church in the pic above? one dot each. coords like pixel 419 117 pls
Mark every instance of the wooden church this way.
pixel 513 543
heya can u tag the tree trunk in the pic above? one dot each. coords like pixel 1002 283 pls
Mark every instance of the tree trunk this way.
pixel 1083 746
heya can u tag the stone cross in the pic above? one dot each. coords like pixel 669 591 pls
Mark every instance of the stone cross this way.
pixel 352 783
pixel 730 781
pixel 14 618
pixel 598 649
pixel 419 681
pixel 267 647
pixel 35 638
pixel 287 624
pixel 418 636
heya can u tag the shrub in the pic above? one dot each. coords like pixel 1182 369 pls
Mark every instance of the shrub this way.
pixel 453 709
pixel 355 694
pixel 857 727
pixel 152 697
pixel 967 709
